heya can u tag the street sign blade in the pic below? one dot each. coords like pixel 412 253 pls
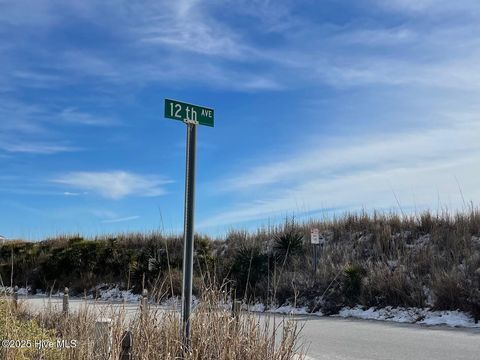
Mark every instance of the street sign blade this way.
pixel 178 110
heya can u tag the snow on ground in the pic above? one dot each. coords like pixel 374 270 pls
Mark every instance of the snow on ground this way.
pixel 258 307
pixel 175 303
pixel 9 290
pixel 412 316
pixel 290 310
pixel 104 293
pixel 400 315
pixel 284 309
pixel 115 294
pixel 450 318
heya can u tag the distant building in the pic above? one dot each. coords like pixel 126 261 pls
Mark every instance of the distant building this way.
pixel 2 239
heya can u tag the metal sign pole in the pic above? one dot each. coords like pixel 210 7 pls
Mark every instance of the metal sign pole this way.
pixel 315 240
pixel 191 115
pixel 188 234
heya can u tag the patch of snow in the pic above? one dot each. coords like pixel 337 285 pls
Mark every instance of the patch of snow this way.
pixel 290 310
pixel 22 291
pixel 115 294
pixel 411 316
pixel 449 318
pixel 8 290
pixel 284 309
pixel 173 303
pixel 258 307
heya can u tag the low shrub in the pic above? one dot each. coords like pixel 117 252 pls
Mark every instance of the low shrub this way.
pixel 352 284
pixel 450 291
pixel 386 287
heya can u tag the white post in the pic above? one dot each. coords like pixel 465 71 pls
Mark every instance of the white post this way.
pixel 65 301
pixel 103 339
pixel 144 305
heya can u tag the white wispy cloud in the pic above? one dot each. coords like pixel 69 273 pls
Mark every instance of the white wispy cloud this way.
pixel 161 41
pixel 114 184
pixel 417 188
pixel 186 39
pixel 69 193
pixel 24 146
pixel 437 144
pixel 27 127
pixel 104 213
pixel 431 7
pixel 73 115
pixel 123 219
pixel 187 25
pixel 419 166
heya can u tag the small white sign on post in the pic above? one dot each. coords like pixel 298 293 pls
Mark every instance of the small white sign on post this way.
pixel 315 237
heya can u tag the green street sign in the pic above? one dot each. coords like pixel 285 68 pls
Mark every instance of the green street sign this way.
pixel 178 110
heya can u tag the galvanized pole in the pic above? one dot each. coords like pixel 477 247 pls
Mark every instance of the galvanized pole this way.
pixel 188 234
pixel 315 255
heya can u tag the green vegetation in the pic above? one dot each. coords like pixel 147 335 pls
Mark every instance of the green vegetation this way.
pixel 16 327
pixel 373 260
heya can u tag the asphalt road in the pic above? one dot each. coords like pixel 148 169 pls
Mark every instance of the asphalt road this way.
pixel 349 339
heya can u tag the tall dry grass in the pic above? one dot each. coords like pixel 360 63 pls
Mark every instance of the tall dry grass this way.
pixel 216 334
pixel 372 259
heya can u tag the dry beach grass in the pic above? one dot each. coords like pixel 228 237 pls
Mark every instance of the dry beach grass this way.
pixel 372 259
pixel 156 333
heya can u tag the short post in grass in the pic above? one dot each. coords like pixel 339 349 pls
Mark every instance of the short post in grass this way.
pixel 144 305
pixel 127 346
pixel 15 297
pixel 65 301
pixel 102 346
pixel 236 306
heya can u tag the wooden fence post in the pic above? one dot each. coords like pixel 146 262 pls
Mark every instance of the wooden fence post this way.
pixel 144 304
pixel 65 301
pixel 236 307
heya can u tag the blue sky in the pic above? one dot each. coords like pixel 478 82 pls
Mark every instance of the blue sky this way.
pixel 321 107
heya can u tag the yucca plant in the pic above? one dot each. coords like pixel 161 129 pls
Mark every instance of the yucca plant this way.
pixel 287 244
